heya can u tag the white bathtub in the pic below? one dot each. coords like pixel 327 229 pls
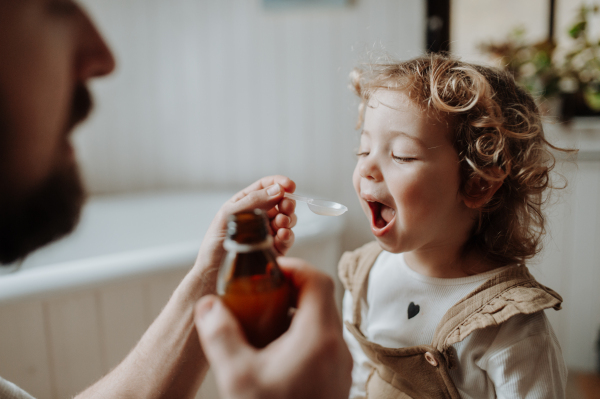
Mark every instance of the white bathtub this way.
pixel 127 235
pixel 75 308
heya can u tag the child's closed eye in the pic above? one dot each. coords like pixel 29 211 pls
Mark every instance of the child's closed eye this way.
pixel 362 154
pixel 403 159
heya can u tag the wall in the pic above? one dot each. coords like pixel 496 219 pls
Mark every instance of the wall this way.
pixel 492 21
pixel 217 93
pixel 570 262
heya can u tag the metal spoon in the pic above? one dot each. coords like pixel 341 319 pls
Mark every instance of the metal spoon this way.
pixel 320 207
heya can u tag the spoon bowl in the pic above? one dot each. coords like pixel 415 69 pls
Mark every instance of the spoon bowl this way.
pixel 320 207
pixel 326 208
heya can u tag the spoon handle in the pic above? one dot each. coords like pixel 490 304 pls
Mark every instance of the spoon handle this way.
pixel 296 197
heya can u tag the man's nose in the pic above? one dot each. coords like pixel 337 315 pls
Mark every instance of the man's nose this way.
pixel 94 56
pixel 369 168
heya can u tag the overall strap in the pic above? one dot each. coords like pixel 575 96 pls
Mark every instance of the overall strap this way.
pixel 353 270
pixel 511 292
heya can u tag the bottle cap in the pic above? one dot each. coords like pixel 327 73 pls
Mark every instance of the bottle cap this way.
pixel 248 226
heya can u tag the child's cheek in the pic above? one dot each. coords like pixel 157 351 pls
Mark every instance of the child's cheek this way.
pixel 416 199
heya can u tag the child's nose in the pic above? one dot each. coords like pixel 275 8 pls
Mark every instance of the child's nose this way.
pixel 369 169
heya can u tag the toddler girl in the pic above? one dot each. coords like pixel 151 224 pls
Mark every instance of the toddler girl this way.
pixel 451 172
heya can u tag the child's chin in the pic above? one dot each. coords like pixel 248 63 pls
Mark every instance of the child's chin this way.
pixel 389 245
pixel 387 238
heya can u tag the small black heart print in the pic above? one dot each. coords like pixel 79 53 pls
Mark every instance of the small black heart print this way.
pixel 413 310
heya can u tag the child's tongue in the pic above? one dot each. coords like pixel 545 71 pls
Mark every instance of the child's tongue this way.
pixel 387 213
pixel 383 215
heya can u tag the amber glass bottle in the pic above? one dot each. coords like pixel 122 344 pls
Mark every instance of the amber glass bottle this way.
pixel 250 282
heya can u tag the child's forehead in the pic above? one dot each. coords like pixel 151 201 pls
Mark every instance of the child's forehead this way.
pixel 394 112
pixel 396 97
pixel 399 103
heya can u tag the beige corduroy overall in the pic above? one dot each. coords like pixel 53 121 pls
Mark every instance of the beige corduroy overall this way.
pixel 422 371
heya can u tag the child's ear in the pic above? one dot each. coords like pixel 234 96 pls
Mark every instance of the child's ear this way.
pixel 479 190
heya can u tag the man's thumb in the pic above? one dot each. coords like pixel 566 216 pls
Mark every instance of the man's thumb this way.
pixel 220 333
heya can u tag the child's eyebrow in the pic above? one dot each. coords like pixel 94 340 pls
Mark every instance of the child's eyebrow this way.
pixel 413 138
pixel 404 134
pixel 418 140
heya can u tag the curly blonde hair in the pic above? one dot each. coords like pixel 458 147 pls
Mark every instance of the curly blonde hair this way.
pixel 498 134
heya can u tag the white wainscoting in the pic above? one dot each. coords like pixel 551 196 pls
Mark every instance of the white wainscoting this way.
pixel 56 345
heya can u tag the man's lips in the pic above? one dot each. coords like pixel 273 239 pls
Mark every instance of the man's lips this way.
pixel 81 105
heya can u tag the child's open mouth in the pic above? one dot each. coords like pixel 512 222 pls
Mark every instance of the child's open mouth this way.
pixel 381 214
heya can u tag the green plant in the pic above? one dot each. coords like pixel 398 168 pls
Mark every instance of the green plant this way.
pixel 548 71
pixel 582 62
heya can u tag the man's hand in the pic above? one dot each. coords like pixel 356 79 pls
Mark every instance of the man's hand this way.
pixel 266 194
pixel 310 360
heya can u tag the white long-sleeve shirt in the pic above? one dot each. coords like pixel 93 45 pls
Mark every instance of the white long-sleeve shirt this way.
pixel 521 358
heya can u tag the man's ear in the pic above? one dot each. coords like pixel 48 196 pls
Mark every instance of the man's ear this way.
pixel 479 190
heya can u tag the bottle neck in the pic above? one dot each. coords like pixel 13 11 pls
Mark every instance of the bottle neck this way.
pixel 234 246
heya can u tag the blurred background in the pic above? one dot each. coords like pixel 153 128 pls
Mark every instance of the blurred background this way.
pixel 214 94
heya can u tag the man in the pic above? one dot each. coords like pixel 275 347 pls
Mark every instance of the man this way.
pixel 49 50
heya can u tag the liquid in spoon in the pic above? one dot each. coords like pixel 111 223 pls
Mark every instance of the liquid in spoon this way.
pixel 320 207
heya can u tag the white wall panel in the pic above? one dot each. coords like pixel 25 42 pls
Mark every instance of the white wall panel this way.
pixel 121 309
pixel 157 291
pixel 570 261
pixel 583 312
pixel 209 389
pixel 76 345
pixel 23 353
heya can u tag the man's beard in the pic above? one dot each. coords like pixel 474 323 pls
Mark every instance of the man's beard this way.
pixel 52 209
pixel 44 216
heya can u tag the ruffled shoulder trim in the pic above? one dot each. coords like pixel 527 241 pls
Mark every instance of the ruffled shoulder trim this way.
pixel 508 294
pixel 353 263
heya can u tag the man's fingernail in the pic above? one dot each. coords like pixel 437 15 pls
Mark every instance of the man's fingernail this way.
pixel 204 309
pixel 274 189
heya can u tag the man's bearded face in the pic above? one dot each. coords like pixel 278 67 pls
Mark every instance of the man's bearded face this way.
pixel 49 210
pixel 49 50
pixel 48 213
